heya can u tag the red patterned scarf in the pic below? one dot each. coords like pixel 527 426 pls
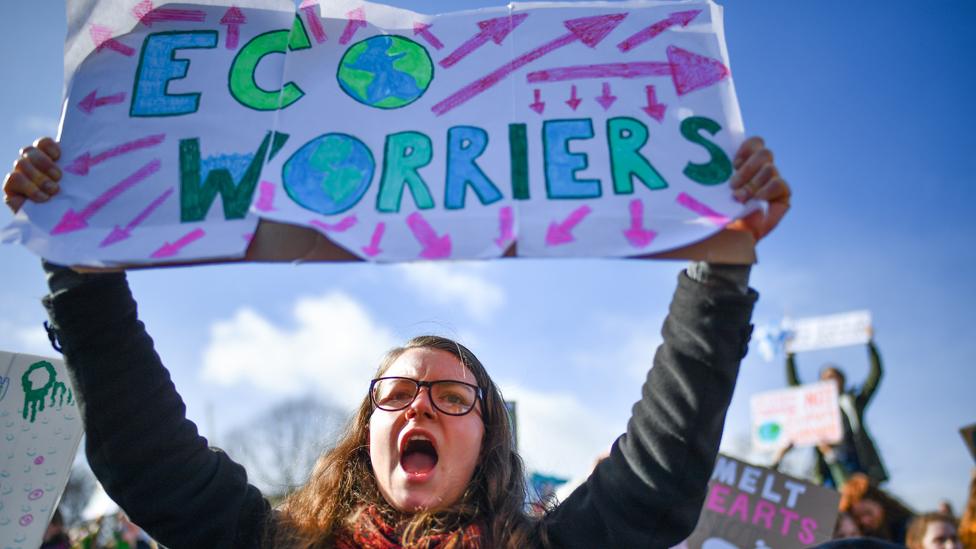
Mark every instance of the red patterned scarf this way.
pixel 371 531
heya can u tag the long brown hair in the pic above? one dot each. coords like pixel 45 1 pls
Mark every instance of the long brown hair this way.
pixel 342 483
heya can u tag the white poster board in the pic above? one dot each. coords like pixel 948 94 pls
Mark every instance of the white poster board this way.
pixel 826 332
pixel 40 428
pixel 805 415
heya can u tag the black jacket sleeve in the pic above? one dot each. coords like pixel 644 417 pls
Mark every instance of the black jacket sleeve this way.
pixel 143 449
pixel 649 492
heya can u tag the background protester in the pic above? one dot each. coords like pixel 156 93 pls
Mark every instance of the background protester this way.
pixel 878 514
pixel 933 531
pixel 846 527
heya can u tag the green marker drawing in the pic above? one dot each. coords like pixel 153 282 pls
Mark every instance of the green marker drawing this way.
pixel 34 398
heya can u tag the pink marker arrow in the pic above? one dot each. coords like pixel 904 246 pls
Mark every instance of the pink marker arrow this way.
pixel 689 71
pixel 588 30
pixel 147 14
pixel 423 30
pixel 265 201
pixel 704 211
pixel 573 100
pixel 91 101
pixel 637 235
pixel 169 250
pixel 654 109
pixel 562 233
pixel 677 18
pixel 343 225
pixel 102 37
pixel 374 242
pixel 357 20
pixel 506 227
pixel 538 105
pixel 606 99
pixel 118 234
pixel 491 29
pixel 84 162
pixel 72 221
pixel 233 18
pixel 312 20
pixel 435 247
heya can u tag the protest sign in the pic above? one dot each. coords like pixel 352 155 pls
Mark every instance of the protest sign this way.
pixel 969 437
pixel 805 416
pixel 749 506
pixel 826 332
pixel 41 430
pixel 544 130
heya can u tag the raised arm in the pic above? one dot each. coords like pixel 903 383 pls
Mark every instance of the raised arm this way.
pixel 874 376
pixel 792 379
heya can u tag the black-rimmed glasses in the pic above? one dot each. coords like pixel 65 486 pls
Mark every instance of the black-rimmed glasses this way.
pixel 454 398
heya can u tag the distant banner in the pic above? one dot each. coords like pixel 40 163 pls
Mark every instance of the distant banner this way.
pixel 804 415
pixel 825 332
pixel 570 129
pixel 41 429
pixel 751 507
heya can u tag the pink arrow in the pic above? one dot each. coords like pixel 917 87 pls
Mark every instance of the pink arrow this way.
pixel 538 105
pixel 92 101
pixel 491 29
pixel 637 235
pixel 711 215
pixel 573 100
pixel 312 20
pixel 147 14
pixel 374 242
pixel 562 233
pixel 588 30
pixel 343 225
pixel 169 250
pixel 84 162
pixel 606 99
pixel 689 71
pixel 506 227
pixel 72 221
pixel 435 247
pixel 654 109
pixel 233 18
pixel 677 18
pixel 102 37
pixel 357 20
pixel 118 234
pixel 265 201
pixel 423 30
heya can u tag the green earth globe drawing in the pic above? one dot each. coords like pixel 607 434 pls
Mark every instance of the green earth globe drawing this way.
pixel 329 174
pixel 385 71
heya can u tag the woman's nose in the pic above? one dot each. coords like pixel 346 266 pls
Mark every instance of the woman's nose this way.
pixel 422 404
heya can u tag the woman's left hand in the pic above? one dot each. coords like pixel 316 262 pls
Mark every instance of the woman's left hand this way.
pixel 756 176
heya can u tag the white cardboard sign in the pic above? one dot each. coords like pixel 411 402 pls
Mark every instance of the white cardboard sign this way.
pixel 805 415
pixel 826 332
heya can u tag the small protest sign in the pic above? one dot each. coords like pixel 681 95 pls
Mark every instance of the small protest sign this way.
pixel 805 415
pixel 41 430
pixel 969 436
pixel 749 506
pixel 826 332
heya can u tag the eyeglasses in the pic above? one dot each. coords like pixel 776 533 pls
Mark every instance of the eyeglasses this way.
pixel 454 398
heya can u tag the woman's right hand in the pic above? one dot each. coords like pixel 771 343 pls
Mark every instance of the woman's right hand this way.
pixel 35 175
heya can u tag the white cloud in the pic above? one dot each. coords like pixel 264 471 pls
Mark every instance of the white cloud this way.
pixel 630 344
pixel 334 347
pixel 455 285
pixel 40 125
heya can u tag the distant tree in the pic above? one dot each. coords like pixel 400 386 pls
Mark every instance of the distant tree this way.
pixel 77 493
pixel 280 446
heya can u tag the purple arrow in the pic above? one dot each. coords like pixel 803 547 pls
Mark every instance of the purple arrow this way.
pixel 102 37
pixel 312 20
pixel 677 18
pixel 233 18
pixel 374 242
pixel 169 250
pixel 715 218
pixel 588 30
pixel 573 100
pixel 538 105
pixel 72 221
pixel 265 201
pixel 637 235
pixel 344 224
pixel 92 101
pixel 654 109
pixel 423 30
pixel 435 247
pixel 85 161
pixel 357 20
pixel 506 227
pixel 147 14
pixel 606 99
pixel 491 29
pixel 118 234
pixel 562 233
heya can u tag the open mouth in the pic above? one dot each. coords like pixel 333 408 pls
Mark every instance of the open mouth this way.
pixel 418 456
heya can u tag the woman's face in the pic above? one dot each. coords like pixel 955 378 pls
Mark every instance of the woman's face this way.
pixel 413 476
pixel 940 535
pixel 869 514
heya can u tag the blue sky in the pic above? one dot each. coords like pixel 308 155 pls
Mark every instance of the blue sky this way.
pixel 867 106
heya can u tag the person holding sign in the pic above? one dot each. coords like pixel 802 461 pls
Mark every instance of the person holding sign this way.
pixel 428 459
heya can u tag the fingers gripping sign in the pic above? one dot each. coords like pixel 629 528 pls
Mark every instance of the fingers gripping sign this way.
pixel 35 174
pixel 757 177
